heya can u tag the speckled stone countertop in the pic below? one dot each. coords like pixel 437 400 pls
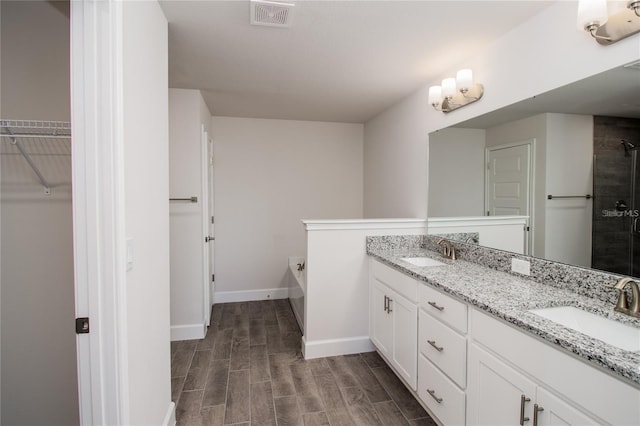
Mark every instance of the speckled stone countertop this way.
pixel 510 297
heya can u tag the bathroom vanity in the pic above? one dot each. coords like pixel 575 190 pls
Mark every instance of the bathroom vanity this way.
pixel 462 337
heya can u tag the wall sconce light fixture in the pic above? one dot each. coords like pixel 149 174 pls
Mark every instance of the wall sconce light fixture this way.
pixel 607 29
pixel 457 92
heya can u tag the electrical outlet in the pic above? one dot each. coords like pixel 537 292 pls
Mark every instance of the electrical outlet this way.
pixel 521 266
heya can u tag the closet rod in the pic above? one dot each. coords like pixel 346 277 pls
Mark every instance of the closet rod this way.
pixel 553 197
pixel 15 142
pixel 190 199
pixel 39 135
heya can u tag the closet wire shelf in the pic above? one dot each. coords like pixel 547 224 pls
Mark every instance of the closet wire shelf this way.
pixel 46 138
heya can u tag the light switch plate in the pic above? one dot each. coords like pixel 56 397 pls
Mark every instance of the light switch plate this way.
pixel 521 266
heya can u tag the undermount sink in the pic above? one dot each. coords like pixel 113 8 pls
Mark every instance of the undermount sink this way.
pixel 422 261
pixel 612 332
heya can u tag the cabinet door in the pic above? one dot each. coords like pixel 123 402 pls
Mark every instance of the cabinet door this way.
pixel 495 390
pixel 405 338
pixel 556 412
pixel 381 327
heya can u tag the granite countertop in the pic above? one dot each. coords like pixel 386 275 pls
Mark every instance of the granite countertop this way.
pixel 510 297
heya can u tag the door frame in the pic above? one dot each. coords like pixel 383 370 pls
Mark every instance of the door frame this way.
pixel 531 143
pixel 206 214
pixel 99 210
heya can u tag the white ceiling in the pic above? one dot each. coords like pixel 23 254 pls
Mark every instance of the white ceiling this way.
pixel 343 61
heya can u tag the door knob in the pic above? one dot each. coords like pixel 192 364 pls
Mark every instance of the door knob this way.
pixel 208 238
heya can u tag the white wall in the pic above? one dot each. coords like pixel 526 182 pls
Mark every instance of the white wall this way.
pixel 544 53
pixel 499 232
pixel 146 153
pixel 535 128
pixel 395 160
pixel 569 171
pixel 187 114
pixel 270 174
pixel 337 293
pixel 456 172
pixel 39 379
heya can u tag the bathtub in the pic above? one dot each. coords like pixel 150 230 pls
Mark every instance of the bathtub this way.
pixel 297 288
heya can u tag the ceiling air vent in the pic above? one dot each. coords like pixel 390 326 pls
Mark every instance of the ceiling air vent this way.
pixel 271 13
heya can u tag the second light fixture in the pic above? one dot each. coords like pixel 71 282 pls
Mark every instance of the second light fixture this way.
pixel 454 93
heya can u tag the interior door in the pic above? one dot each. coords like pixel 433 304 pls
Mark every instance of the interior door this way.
pixel 509 182
pixel 211 220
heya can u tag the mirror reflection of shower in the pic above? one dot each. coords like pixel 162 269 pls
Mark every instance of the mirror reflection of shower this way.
pixel 616 189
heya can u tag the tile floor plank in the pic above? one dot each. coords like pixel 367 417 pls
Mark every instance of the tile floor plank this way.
pixel 249 370
pixel 281 378
pixel 369 382
pixel 373 359
pixel 222 344
pixel 188 407
pixel 197 375
pixel 212 416
pixel 259 364
pixel 287 413
pixel 262 405
pixel 181 361
pixel 399 393
pixel 215 390
pixel 334 406
pixel 239 354
pixel 342 372
pixel 389 413
pixel 360 408
pixel 237 408
pixel 315 419
pixel 176 387
pixel 257 332
pixel 308 397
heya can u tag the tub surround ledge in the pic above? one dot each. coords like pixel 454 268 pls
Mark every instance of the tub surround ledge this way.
pixel 482 278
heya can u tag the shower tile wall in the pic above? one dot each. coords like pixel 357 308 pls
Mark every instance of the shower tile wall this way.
pixel 612 182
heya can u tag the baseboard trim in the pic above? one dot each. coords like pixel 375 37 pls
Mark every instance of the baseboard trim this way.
pixel 170 418
pixel 250 295
pixel 188 332
pixel 334 347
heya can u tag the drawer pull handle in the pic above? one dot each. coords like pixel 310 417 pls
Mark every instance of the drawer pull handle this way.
pixel 523 400
pixel 433 343
pixel 386 303
pixel 389 310
pixel 440 308
pixel 433 395
pixel 536 410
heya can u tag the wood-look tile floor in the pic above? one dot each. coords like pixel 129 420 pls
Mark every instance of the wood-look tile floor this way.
pixel 249 370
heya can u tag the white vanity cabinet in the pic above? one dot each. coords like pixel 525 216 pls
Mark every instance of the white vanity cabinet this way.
pixel 516 379
pixel 442 361
pixel 470 368
pixel 393 319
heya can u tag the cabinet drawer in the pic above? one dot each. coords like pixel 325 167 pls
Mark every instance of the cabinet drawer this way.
pixel 401 283
pixel 445 400
pixel 447 350
pixel 445 308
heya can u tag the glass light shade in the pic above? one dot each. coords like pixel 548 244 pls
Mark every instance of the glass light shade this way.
pixel 448 87
pixel 435 95
pixel 592 11
pixel 464 79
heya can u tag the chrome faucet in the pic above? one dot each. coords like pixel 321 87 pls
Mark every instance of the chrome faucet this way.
pixel 448 250
pixel 622 305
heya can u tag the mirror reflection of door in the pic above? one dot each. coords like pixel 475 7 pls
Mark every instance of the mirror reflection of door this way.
pixel 508 182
